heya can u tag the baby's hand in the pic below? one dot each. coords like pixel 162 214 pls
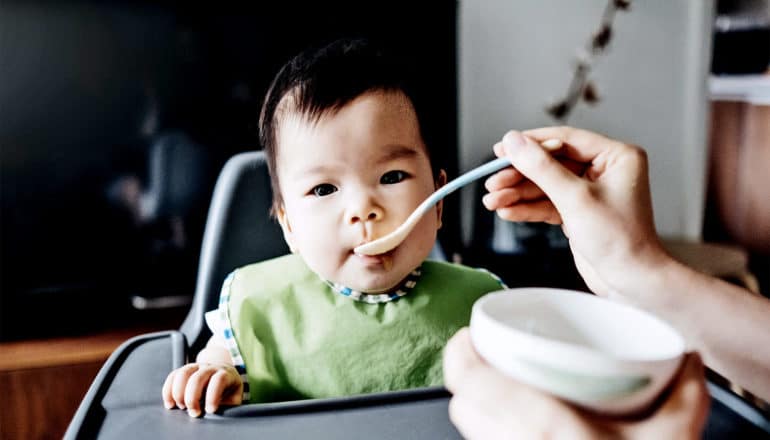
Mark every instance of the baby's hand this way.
pixel 185 387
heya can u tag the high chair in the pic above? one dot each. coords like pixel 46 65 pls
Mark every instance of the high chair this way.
pixel 124 401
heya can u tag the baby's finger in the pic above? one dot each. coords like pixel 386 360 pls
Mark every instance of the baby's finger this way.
pixel 537 211
pixel 194 390
pixel 216 390
pixel 180 382
pixel 168 398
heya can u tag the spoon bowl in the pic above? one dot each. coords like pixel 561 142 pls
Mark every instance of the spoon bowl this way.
pixel 394 238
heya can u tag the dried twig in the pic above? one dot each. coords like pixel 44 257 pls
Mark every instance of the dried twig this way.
pixel 580 87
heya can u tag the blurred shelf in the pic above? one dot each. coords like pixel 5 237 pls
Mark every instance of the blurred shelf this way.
pixel 58 351
pixel 42 381
pixel 753 89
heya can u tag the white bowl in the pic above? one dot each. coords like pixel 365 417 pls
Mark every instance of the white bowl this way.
pixel 599 354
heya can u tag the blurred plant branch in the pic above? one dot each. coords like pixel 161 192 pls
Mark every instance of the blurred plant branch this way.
pixel 580 86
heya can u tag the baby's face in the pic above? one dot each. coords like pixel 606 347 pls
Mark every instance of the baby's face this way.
pixel 351 178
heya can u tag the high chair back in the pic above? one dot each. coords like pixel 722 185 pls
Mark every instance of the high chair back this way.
pixel 239 231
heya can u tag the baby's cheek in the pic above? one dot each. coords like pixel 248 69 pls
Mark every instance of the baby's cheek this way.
pixel 321 258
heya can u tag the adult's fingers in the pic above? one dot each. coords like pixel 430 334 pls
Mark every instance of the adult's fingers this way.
pixel 467 374
pixel 684 412
pixel 525 189
pixel 691 383
pixel 580 145
pixel 537 164
pixel 505 178
pixel 504 407
pixel 459 356
pixel 523 192
pixel 474 422
pixel 537 211
pixel 508 177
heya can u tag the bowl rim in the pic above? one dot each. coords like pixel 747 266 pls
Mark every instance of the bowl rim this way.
pixel 566 347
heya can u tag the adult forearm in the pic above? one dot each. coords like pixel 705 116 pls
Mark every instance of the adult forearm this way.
pixel 728 325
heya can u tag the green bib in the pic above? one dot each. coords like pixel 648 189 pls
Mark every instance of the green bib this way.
pixel 299 338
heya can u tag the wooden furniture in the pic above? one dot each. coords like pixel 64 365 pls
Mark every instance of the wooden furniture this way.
pixel 739 178
pixel 43 381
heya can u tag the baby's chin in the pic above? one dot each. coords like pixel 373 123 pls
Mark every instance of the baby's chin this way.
pixel 377 284
pixel 367 278
pixel 374 288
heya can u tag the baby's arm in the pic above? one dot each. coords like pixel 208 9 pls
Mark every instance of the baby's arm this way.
pixel 214 373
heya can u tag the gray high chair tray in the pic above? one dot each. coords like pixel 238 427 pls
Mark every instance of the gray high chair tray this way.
pixel 124 401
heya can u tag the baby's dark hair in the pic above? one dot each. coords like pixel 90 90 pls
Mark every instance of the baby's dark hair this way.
pixel 323 80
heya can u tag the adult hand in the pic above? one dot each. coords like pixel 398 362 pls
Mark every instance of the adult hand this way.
pixel 488 405
pixel 597 187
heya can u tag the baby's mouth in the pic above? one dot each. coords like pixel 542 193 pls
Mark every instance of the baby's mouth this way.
pixel 376 256
pixel 385 259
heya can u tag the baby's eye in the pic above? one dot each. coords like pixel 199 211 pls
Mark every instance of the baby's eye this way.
pixel 392 177
pixel 323 189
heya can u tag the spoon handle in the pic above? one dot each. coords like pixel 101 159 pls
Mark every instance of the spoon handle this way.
pixel 391 240
pixel 480 171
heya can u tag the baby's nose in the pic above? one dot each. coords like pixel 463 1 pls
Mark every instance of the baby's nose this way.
pixel 366 212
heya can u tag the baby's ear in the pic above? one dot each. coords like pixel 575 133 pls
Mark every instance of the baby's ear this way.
pixel 288 235
pixel 440 181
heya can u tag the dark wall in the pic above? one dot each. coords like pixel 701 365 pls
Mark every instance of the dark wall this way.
pixel 88 88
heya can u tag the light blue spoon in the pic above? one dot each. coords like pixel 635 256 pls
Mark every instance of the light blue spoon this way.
pixel 393 239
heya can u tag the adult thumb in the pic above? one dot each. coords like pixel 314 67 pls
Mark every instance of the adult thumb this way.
pixel 534 162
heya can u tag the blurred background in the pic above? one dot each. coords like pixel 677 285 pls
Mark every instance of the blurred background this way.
pixel 686 80
pixel 116 117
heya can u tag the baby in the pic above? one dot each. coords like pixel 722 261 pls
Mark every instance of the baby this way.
pixel 348 164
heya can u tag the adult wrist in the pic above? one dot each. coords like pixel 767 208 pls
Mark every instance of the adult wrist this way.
pixel 667 289
pixel 643 280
